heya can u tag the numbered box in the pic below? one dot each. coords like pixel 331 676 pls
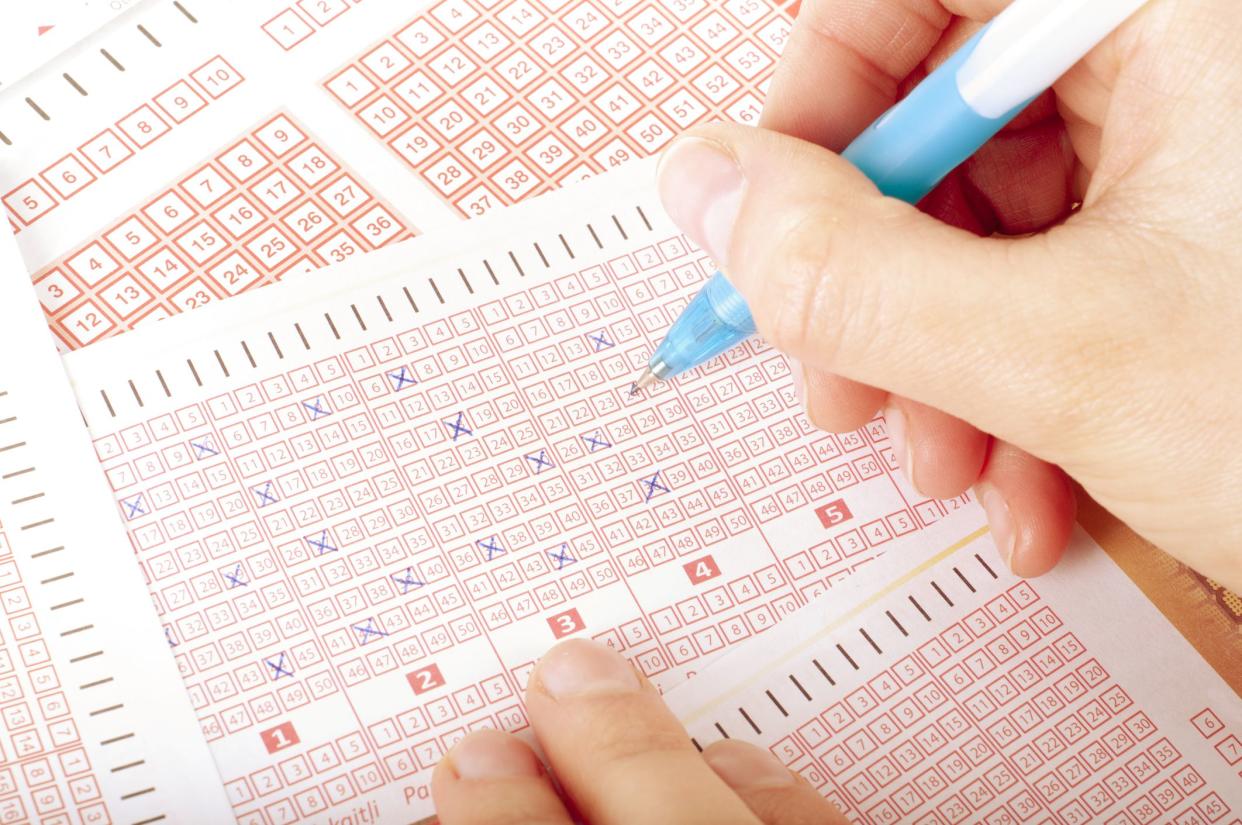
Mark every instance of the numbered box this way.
pixel 93 264
pixel 515 179
pixel 383 116
pixel 377 226
pixel 312 166
pixel 478 201
pixel 566 623
pixel 323 11
pixel 68 176
pixel 163 269
pixel 126 296
pixel 180 102
pixel 288 29
pixel 132 238
pixel 447 175
pixel 235 273
pixel 238 216
pixel 280 737
pixel 487 41
pixel 350 86
pixel 271 248
pixel 280 136
pixel 344 196
pixel 29 202
pixel 201 243
pixel 276 191
pixel 420 37
pixel 206 186
pixel 425 679
pixel 308 221
pixel 216 77
pixel 337 249
pixel 88 323
pixel 244 160
pixel 485 95
pixel 106 151
pixel 56 290
pixel 143 126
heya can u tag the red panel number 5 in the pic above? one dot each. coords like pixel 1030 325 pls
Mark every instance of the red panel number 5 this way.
pixel 834 513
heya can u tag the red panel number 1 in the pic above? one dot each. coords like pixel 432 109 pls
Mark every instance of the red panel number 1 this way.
pixel 280 737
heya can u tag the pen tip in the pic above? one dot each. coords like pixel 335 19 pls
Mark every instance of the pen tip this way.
pixel 645 380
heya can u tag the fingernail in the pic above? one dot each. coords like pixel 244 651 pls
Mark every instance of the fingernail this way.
pixel 895 422
pixel 999 519
pixel 701 186
pixel 745 767
pixel 493 754
pixel 798 373
pixel 581 668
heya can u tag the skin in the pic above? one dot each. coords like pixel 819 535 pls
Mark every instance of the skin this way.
pixel 1065 306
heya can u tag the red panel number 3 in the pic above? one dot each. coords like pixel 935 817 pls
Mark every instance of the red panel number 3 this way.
pixel 701 570
pixel 425 678
pixel 279 737
pixel 834 513
pixel 564 624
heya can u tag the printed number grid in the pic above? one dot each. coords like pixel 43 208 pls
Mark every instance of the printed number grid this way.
pixel 1002 718
pixel 45 773
pixel 295 23
pixel 492 101
pixel 140 129
pixel 274 202
pixel 418 510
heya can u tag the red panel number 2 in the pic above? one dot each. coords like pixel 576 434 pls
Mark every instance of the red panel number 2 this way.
pixel 425 678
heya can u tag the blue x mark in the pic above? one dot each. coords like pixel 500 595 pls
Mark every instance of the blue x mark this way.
pixel 492 546
pixel 407 581
pixel 235 578
pixel 168 637
pixel 133 507
pixel 316 409
pixel 203 448
pixel 600 340
pixel 653 486
pixel 561 556
pixel 596 442
pixel 265 494
pixel 368 630
pixel 321 544
pixel 540 461
pixel 400 379
pixel 278 667
pixel 458 427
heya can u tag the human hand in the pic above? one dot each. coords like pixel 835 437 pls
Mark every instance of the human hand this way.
pixel 1107 343
pixel 619 756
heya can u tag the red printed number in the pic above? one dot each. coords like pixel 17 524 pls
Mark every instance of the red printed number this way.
pixel 279 737
pixel 563 624
pixel 425 678
pixel 701 570
pixel 834 513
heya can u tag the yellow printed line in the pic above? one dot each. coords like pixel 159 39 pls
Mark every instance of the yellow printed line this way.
pixel 828 629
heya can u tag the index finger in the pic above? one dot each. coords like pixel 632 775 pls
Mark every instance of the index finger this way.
pixel 846 59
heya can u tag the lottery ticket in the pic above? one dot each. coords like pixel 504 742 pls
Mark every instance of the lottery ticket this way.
pixel 936 687
pixel 364 516
pixel 96 727
pixel 194 150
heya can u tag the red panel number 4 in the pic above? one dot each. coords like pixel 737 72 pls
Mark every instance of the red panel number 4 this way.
pixel 834 513
pixel 701 570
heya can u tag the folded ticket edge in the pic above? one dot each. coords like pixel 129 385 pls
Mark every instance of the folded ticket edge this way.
pixel 557 230
pixel 97 598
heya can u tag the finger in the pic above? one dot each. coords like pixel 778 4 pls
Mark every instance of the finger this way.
pixel 833 403
pixel 843 63
pixel 1030 506
pixel 942 456
pixel 775 794
pixel 620 754
pixel 851 282
pixel 494 778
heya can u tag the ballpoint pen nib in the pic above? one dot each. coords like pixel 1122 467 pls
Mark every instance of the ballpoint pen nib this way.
pixel 645 380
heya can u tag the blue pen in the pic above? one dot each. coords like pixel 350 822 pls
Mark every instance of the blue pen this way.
pixel 918 142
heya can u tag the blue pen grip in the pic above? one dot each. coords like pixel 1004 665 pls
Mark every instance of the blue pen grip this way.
pixel 905 153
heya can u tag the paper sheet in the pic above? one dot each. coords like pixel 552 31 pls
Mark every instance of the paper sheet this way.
pixel 936 687
pixel 365 514
pixel 36 31
pixel 96 727
pixel 261 139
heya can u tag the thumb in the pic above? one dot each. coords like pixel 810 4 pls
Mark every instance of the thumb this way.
pixel 849 281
